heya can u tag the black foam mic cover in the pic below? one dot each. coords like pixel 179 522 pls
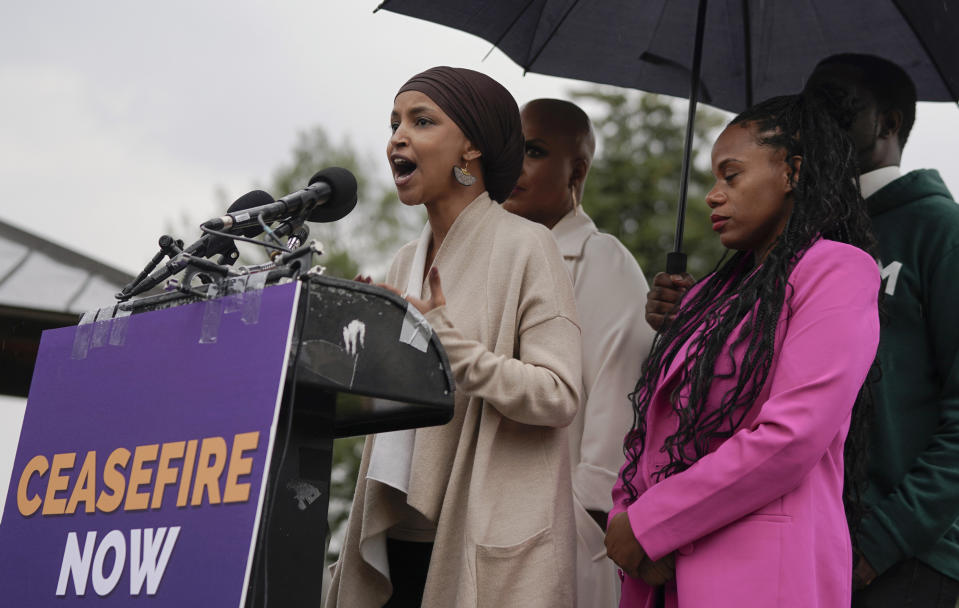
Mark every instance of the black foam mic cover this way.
pixel 343 194
pixel 212 244
pixel 254 198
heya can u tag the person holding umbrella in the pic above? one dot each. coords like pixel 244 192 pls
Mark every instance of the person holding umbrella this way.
pixel 731 493
pixel 908 543
pixel 477 512
pixel 607 283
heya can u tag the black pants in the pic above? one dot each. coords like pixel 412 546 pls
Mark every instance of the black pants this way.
pixel 909 584
pixel 409 563
pixel 659 599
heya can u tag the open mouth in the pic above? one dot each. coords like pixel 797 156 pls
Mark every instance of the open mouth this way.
pixel 402 169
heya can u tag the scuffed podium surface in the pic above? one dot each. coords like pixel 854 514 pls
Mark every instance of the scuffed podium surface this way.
pixel 361 339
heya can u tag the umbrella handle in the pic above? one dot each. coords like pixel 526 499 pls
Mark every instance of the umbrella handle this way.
pixel 675 262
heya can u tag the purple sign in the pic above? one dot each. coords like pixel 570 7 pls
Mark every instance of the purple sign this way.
pixel 140 467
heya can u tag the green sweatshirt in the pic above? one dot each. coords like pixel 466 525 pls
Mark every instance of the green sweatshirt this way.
pixel 914 461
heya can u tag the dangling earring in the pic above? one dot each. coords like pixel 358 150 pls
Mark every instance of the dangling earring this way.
pixel 463 176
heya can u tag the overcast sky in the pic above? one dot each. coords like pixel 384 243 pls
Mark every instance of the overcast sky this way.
pixel 116 117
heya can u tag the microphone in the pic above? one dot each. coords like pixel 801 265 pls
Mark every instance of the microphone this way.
pixel 298 237
pixel 298 234
pixel 330 195
pixel 207 246
pixel 212 244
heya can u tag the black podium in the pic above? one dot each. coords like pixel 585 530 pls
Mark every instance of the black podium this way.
pixel 348 337
pixel 410 384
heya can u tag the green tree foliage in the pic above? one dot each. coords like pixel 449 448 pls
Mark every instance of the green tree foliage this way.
pixel 633 187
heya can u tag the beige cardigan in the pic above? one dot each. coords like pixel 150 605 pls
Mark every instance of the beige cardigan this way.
pixel 496 479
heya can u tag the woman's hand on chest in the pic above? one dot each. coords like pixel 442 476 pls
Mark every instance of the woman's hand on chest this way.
pixel 435 300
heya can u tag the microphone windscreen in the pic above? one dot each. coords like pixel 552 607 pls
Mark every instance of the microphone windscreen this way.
pixel 342 194
pixel 254 198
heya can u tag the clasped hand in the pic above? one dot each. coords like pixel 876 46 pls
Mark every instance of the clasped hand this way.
pixel 623 548
pixel 663 297
pixel 436 300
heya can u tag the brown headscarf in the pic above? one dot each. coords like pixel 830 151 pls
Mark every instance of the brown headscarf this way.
pixel 486 113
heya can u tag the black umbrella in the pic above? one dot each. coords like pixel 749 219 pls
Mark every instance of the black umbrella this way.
pixel 727 53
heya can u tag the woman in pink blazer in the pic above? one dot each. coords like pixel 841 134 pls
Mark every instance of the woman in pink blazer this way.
pixel 732 490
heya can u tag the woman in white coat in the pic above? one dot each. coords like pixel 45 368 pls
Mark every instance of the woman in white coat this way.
pixel 477 512
pixel 609 287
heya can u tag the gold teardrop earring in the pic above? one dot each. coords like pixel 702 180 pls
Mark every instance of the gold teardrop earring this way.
pixel 463 176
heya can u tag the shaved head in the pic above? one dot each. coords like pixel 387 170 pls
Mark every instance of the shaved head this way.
pixel 559 150
pixel 567 119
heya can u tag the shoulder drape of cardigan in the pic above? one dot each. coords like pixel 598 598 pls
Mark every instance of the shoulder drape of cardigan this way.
pixel 496 479
pixel 759 521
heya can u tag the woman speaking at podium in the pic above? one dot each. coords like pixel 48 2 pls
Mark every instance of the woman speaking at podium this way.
pixel 477 512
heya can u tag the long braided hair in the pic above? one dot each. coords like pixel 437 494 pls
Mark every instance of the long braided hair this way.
pixel 826 203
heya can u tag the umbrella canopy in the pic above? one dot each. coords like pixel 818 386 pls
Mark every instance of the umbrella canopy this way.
pixel 727 53
pixel 752 49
